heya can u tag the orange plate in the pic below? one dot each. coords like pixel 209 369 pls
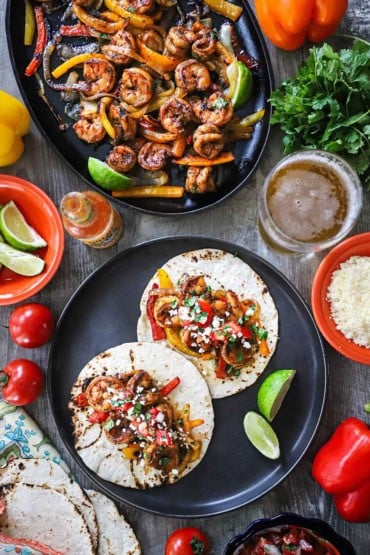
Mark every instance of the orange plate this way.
pixel 43 216
pixel 358 245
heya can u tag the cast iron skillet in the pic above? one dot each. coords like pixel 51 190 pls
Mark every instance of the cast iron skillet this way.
pixel 75 152
pixel 103 312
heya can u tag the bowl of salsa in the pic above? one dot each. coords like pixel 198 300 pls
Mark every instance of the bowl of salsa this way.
pixel 289 533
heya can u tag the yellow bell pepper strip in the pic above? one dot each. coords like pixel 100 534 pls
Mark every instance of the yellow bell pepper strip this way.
pixel 29 23
pixel 131 451
pixel 72 62
pixel 263 348
pixel 227 9
pixel 155 60
pixel 164 279
pixel 156 136
pixel 192 160
pixel 238 125
pixel 14 124
pixel 105 102
pixel 195 423
pixel 150 191
pixel 96 23
pixel 225 54
pixel 141 21
pixel 40 42
pixel 173 337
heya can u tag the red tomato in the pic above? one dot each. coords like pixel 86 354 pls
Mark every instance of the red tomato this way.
pixel 25 382
pixel 31 325
pixel 187 541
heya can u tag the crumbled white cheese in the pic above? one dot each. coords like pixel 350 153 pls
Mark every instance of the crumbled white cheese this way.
pixel 349 297
pixel 175 471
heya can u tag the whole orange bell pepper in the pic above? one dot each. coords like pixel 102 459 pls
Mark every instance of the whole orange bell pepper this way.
pixel 288 23
pixel 14 123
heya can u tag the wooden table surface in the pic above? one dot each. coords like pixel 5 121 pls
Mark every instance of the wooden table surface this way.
pixel 234 220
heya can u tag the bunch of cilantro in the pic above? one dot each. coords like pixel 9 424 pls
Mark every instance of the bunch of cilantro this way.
pixel 327 105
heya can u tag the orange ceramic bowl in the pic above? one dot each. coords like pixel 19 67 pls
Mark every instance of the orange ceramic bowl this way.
pixel 358 245
pixel 43 216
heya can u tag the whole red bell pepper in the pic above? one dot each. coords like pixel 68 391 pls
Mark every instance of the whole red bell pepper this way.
pixel 354 506
pixel 342 467
pixel 343 463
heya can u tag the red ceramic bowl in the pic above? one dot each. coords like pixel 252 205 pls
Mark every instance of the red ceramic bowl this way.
pixel 358 245
pixel 43 216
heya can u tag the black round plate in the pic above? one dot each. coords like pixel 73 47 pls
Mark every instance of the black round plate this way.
pixel 75 152
pixel 104 311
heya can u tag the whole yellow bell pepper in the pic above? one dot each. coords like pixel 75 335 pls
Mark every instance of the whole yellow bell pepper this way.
pixel 15 122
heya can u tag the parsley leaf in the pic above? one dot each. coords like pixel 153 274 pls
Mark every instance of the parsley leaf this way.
pixel 326 105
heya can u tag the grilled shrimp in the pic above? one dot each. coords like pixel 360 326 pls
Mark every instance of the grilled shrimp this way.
pixel 125 125
pixel 236 355
pixel 236 306
pixel 193 285
pixel 100 76
pixel 175 115
pixel 163 457
pixel 90 129
pixel 205 44
pixel 142 387
pixel 119 47
pixel 163 311
pixel 195 340
pixel 216 109
pixel 153 40
pixel 208 140
pixel 200 180
pixel 178 41
pixel 154 156
pixel 136 86
pixel 119 430
pixel 122 158
pixel 192 75
pixel 101 391
pixel 137 6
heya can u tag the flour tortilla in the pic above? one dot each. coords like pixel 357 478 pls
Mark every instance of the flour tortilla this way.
pixel 116 535
pixel 42 472
pixel 40 512
pixel 222 270
pixel 105 458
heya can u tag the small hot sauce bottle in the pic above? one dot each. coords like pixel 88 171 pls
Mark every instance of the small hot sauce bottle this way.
pixel 91 218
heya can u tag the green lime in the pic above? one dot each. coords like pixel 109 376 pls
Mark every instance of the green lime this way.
pixel 106 177
pixel 261 435
pixel 22 263
pixel 241 83
pixel 16 230
pixel 272 392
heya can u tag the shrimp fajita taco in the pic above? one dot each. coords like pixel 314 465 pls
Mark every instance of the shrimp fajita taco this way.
pixel 213 308
pixel 142 415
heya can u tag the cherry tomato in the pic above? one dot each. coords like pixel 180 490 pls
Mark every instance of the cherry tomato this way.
pixel 31 325
pixel 24 381
pixel 187 541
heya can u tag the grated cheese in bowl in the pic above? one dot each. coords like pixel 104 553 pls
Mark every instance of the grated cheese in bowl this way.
pixel 349 297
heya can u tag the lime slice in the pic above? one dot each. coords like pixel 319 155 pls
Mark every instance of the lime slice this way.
pixel 16 230
pixel 241 83
pixel 261 435
pixel 272 392
pixel 106 177
pixel 22 263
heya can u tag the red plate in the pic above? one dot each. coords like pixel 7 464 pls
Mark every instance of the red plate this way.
pixel 43 216
pixel 358 245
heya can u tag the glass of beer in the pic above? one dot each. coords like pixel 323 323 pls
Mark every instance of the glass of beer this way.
pixel 309 202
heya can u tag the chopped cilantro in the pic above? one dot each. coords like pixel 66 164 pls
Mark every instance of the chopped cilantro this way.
pixel 260 332
pixel 200 316
pixel 239 358
pixel 190 301
pixel 180 421
pixel 109 425
pixel 104 36
pixel 209 288
pixel 219 103
pixel 138 409
pixel 174 303
pixel 163 461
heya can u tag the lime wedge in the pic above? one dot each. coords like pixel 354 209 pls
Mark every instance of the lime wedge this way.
pixel 241 83
pixel 261 435
pixel 16 230
pixel 106 177
pixel 272 392
pixel 22 263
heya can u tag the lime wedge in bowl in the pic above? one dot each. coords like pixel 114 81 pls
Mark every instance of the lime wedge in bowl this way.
pixel 16 231
pixel 106 177
pixel 272 392
pixel 261 435
pixel 23 263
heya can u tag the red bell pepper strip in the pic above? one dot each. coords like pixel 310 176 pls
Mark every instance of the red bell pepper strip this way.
pixel 157 332
pixel 343 463
pixel 82 400
pixel 78 30
pixel 354 506
pixel 40 42
pixel 97 417
pixel 206 307
pixel 170 386
pixel 221 368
